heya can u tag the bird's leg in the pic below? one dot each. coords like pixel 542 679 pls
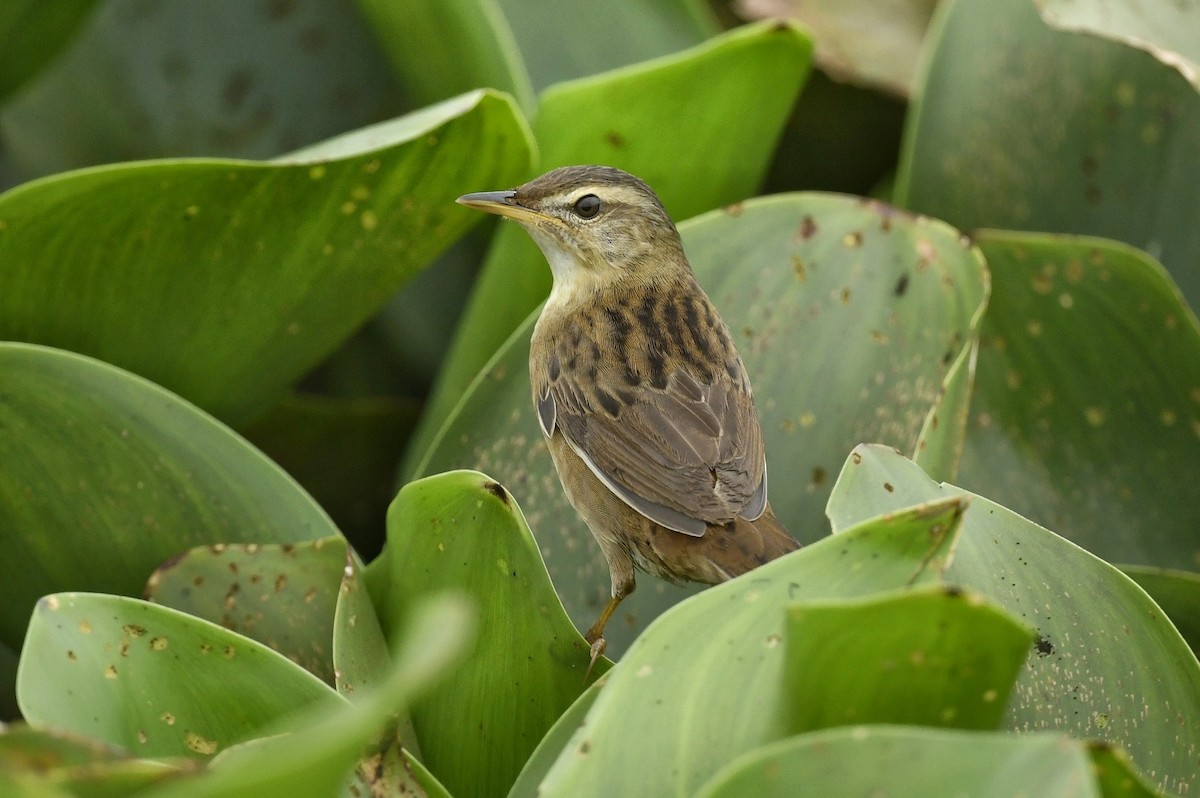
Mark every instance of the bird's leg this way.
pixel 623 585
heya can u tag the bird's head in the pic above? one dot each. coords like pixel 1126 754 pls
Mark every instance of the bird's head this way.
pixel 596 225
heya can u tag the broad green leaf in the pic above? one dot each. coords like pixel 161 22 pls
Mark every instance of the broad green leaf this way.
pixel 560 41
pixel 282 595
pixel 220 78
pixel 940 445
pixel 154 680
pixel 80 767
pixel 343 451
pixel 1169 31
pixel 1177 592
pixel 1016 125
pixel 849 316
pixel 634 118
pixel 175 267
pixel 865 42
pixel 1087 412
pixel 554 741
pixel 1116 775
pixel 705 682
pixel 31 34
pixel 898 760
pixel 931 657
pixel 1106 662
pixel 463 531
pixel 323 756
pixel 449 47
pixel 108 475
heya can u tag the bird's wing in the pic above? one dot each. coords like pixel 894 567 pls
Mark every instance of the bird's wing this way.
pixel 684 456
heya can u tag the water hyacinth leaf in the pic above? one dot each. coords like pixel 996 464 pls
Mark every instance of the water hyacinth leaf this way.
pixel 324 755
pixel 32 33
pixel 107 476
pixel 219 78
pixel 1116 776
pixel 361 661
pixel 555 740
pixel 364 435
pixel 932 657
pixel 463 531
pixel 282 595
pixel 635 119
pixel 1087 409
pixel 1106 664
pixel 154 680
pixel 196 263
pixel 1168 31
pixel 896 760
pixel 602 37
pixel 1016 125
pixel 705 683
pixel 446 48
pixel 77 766
pixel 940 445
pixel 1177 592
pixel 850 317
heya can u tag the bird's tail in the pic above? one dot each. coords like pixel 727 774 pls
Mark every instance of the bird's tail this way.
pixel 775 540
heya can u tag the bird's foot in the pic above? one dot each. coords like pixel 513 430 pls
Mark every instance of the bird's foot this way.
pixel 599 644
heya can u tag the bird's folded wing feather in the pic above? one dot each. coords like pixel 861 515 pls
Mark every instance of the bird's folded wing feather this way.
pixel 684 456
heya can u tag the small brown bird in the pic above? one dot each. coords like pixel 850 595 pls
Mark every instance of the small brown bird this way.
pixel 644 402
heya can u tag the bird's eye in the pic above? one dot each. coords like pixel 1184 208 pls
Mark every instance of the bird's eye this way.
pixel 587 206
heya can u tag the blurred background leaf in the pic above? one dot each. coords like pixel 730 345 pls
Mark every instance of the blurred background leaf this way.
pixel 1017 125
pixel 32 33
pixel 1087 408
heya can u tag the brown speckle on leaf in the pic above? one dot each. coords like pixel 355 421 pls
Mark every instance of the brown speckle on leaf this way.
pixel 808 229
pixel 497 490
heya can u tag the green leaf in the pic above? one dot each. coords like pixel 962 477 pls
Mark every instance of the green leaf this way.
pixel 1115 774
pixel 463 531
pixel 152 679
pixel 896 760
pixel 933 657
pixel 81 767
pixel 1177 592
pixel 283 596
pixel 236 80
pixel 449 47
pixel 1087 413
pixel 705 682
pixel 108 475
pixel 554 741
pixel 363 435
pixel 316 760
pixel 565 41
pixel 31 34
pixel 1107 664
pixel 849 316
pixel 1020 126
pixel 1168 31
pixel 198 266
pixel 634 119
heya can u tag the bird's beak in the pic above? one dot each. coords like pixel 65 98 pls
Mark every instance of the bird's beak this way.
pixel 501 203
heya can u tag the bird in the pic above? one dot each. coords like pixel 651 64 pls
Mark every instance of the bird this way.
pixel 644 402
